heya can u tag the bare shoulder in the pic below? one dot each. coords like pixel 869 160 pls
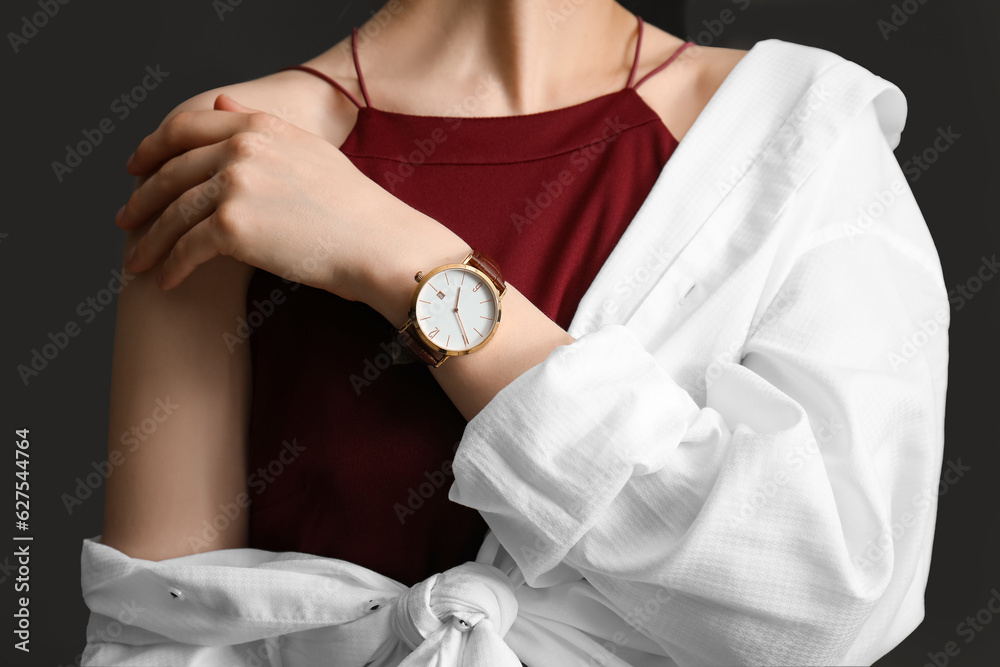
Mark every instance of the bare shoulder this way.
pixel 679 93
pixel 298 97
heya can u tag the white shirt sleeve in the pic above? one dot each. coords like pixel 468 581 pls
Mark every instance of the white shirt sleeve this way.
pixel 788 520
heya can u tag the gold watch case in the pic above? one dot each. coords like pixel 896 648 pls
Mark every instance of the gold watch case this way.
pixel 421 279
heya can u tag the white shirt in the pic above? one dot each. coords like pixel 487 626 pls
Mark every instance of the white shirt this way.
pixel 736 462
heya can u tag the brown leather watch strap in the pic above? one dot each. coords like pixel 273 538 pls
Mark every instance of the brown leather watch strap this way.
pixel 411 342
pixel 480 260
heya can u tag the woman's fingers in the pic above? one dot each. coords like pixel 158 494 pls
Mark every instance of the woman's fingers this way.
pixel 175 177
pixel 193 249
pixel 183 216
pixel 191 129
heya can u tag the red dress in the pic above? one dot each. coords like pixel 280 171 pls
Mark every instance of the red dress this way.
pixel 350 457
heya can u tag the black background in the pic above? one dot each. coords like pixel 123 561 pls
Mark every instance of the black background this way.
pixel 59 244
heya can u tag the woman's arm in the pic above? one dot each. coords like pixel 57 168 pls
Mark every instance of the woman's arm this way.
pixel 179 412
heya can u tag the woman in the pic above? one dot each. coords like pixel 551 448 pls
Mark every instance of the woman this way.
pixel 706 429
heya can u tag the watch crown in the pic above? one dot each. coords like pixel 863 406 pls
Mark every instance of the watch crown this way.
pixel 420 274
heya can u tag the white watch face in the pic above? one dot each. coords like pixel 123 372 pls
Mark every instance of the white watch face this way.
pixel 457 309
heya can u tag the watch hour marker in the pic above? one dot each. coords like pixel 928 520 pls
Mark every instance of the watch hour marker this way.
pixel 486 301
pixel 440 295
pixel 478 285
pixel 436 331
pixel 425 318
pixel 422 301
pixel 448 342
pixel 485 318
pixel 477 331
pixel 446 278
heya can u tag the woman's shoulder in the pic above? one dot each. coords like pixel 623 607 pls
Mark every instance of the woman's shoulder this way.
pixel 300 98
pixel 681 91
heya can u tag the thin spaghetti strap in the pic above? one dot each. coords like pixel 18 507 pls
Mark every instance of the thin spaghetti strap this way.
pixel 635 59
pixel 357 66
pixel 664 65
pixel 335 84
pixel 315 72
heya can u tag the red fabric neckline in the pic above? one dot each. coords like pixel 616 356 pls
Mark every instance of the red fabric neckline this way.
pixel 419 139
pixel 525 116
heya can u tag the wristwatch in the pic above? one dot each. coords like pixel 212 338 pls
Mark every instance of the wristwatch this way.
pixel 454 310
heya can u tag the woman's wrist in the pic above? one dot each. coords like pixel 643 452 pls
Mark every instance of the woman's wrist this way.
pixel 470 381
pixel 389 277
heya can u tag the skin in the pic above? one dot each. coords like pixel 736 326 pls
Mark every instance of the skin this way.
pixel 285 190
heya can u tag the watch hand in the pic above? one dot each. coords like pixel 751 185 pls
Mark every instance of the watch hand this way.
pixel 464 336
pixel 457 294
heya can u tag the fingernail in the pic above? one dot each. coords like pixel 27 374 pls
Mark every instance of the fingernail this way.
pixel 119 215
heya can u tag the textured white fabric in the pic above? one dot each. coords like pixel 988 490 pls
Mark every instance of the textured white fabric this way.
pixel 224 607
pixel 736 462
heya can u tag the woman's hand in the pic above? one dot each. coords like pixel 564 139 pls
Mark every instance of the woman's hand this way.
pixel 240 182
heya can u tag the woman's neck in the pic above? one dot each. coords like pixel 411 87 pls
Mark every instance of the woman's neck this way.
pixel 535 52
